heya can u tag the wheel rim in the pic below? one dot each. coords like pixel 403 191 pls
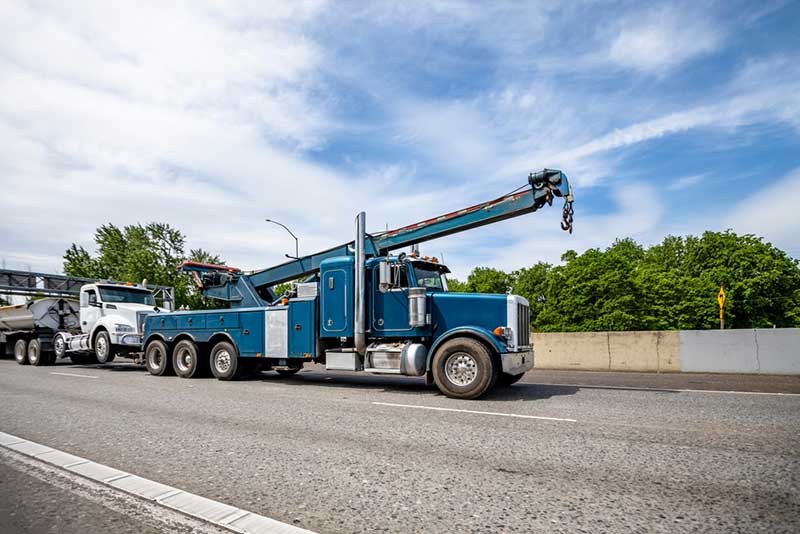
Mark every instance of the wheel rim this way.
pixel 33 354
pixel 222 361
pixel 156 357
pixel 184 359
pixel 19 352
pixel 461 369
pixel 102 347
pixel 58 346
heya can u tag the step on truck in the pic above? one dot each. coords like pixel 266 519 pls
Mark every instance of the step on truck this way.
pixel 87 320
pixel 361 308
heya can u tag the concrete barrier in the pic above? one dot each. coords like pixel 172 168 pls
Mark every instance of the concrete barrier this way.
pixel 767 351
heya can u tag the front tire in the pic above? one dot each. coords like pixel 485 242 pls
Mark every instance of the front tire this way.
pixel 102 347
pixel 463 368
pixel 156 358
pixel 186 359
pixel 21 352
pixel 224 360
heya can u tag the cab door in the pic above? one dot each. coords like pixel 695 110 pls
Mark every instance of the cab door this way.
pixel 90 309
pixel 390 309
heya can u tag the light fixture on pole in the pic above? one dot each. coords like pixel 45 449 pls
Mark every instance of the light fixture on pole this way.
pixel 296 242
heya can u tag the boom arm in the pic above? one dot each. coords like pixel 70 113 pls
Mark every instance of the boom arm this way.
pixel 541 188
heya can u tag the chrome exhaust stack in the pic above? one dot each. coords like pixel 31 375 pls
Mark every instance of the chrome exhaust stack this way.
pixel 359 332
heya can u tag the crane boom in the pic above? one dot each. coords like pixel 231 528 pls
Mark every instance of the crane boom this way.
pixel 541 188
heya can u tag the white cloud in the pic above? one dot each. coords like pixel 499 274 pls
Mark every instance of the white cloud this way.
pixel 661 39
pixel 771 212
pixel 685 182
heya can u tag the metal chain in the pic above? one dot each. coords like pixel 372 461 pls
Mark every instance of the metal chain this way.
pixel 567 214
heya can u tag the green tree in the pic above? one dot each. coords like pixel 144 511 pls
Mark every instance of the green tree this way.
pixel 135 253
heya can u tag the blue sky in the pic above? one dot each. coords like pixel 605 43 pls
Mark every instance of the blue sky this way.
pixel 669 117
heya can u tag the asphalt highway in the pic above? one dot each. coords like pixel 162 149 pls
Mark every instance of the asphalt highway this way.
pixel 350 453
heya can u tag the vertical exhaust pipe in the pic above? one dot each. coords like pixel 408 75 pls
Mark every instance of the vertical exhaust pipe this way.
pixel 359 332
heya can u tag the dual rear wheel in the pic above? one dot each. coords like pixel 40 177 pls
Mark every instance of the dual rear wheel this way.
pixel 187 361
pixel 30 352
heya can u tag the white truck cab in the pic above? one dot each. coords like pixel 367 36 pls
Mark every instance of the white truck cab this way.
pixel 111 319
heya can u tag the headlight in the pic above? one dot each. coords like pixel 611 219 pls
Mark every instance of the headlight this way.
pixel 505 332
pixel 123 328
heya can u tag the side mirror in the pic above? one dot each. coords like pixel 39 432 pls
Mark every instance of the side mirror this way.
pixel 384 276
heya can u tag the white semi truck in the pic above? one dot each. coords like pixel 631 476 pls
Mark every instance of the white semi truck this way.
pixel 87 321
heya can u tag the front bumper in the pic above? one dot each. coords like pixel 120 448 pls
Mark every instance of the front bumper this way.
pixel 128 339
pixel 515 363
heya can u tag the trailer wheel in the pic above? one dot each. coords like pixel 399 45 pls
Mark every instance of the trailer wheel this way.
pixel 21 352
pixel 156 358
pixel 102 347
pixel 224 360
pixel 35 356
pixel 186 359
pixel 463 368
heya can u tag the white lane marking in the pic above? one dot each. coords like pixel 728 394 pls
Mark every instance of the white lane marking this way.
pixel 114 480
pixel 477 412
pixel 663 390
pixel 72 374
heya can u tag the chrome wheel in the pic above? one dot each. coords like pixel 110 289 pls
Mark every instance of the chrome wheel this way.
pixel 183 360
pixel 101 348
pixel 461 369
pixel 59 346
pixel 222 361
pixel 156 358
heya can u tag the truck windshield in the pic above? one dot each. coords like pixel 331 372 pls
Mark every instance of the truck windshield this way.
pixel 429 278
pixel 124 294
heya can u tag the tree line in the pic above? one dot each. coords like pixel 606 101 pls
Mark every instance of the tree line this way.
pixel 138 252
pixel 669 286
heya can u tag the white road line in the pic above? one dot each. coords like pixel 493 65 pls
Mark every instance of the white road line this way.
pixel 72 374
pixel 114 480
pixel 499 414
pixel 663 390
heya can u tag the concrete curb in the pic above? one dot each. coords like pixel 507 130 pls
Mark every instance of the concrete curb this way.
pixel 214 512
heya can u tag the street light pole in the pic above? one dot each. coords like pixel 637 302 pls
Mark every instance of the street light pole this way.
pixel 296 242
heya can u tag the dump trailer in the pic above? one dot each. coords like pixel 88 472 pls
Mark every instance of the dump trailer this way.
pixel 362 308
pixel 89 321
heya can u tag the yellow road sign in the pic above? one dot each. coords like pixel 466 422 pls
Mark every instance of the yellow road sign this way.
pixel 721 298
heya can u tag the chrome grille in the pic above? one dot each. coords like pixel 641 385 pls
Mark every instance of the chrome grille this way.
pixel 523 325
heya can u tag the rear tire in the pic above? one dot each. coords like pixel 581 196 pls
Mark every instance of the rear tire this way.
pixel 35 356
pixel 59 346
pixel 463 368
pixel 156 359
pixel 506 379
pixel 224 361
pixel 186 359
pixel 21 352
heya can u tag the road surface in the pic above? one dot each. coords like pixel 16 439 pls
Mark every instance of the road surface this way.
pixel 343 453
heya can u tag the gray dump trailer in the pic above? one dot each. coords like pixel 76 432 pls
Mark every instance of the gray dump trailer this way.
pixel 27 330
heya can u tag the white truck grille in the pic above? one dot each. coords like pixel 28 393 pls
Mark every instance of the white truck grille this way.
pixel 523 326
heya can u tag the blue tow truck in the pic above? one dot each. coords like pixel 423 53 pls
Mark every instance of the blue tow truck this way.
pixel 361 308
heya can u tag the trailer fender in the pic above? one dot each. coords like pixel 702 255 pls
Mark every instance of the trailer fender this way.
pixel 153 337
pixel 475 332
